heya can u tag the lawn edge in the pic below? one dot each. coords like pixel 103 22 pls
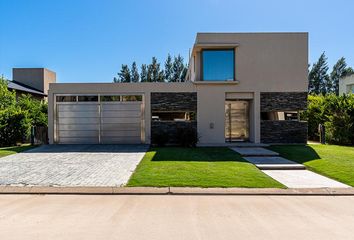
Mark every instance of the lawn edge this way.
pixel 176 191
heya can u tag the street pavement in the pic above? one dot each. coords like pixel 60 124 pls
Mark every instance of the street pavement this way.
pixel 175 217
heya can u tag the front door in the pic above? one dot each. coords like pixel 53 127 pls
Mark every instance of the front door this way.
pixel 236 120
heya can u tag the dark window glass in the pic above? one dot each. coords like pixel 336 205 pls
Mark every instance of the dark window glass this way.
pixel 280 116
pixel 66 98
pixel 88 98
pixel 129 98
pixel 218 65
pixel 110 98
pixel 173 116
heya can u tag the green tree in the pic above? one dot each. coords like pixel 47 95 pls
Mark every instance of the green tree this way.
pixel 143 73
pixel 178 69
pixel 168 68
pixel 339 71
pixel 319 81
pixel 184 73
pixel 154 72
pixel 37 111
pixel 7 98
pixel 124 74
pixel 134 73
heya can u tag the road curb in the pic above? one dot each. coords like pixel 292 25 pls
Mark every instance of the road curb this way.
pixel 176 191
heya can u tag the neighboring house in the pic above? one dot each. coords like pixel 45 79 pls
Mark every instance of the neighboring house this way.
pixel 240 87
pixel 346 85
pixel 33 81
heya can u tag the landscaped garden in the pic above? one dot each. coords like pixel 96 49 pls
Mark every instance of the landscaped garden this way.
pixel 198 167
pixel 336 162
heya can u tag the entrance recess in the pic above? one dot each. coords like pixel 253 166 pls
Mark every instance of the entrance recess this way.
pixel 236 120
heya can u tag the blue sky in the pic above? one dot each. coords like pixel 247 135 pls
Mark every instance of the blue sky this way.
pixel 88 40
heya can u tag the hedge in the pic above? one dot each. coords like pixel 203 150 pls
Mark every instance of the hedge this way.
pixel 337 115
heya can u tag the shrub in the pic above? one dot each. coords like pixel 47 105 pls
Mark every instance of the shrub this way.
pixel 160 139
pixel 338 129
pixel 37 110
pixel 187 136
pixel 14 126
pixel 337 115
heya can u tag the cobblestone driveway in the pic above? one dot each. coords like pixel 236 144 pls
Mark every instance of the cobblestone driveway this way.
pixel 72 165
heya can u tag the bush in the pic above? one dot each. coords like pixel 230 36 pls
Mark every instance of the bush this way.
pixel 338 129
pixel 160 138
pixel 14 126
pixel 187 136
pixel 17 117
pixel 37 110
pixel 337 115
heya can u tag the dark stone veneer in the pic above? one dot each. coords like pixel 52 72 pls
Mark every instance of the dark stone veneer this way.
pixel 170 128
pixel 283 101
pixel 172 101
pixel 283 132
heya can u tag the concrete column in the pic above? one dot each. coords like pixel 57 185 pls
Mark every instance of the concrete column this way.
pixel 51 117
pixel 257 117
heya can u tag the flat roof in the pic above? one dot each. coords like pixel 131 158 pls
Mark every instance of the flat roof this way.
pixel 24 88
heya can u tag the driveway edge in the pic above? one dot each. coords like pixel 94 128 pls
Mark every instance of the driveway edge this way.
pixel 176 191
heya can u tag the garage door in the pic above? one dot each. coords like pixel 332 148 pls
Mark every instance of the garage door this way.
pixel 99 119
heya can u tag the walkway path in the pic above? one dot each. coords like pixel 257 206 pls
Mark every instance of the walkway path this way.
pixel 289 173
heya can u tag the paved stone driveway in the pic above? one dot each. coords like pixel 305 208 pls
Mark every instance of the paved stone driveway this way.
pixel 72 165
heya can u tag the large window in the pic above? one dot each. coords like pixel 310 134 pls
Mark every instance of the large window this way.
pixel 218 65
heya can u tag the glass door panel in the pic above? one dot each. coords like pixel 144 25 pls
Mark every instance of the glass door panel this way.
pixel 236 120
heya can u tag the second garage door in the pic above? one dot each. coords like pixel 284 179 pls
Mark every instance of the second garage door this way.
pixel 99 119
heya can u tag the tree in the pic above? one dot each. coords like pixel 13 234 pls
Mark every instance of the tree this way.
pixel 168 68
pixel 124 74
pixel 184 73
pixel 154 72
pixel 178 68
pixel 339 71
pixel 37 111
pixel 7 98
pixel 134 73
pixel 319 81
pixel 143 73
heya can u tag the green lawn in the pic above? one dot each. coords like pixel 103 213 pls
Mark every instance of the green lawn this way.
pixel 198 167
pixel 12 150
pixel 334 161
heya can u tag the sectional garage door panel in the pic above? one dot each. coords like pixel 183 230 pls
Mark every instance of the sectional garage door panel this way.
pixel 79 140
pixel 121 126
pixel 120 140
pixel 99 122
pixel 77 127
pixel 77 107
pixel 78 123
pixel 121 122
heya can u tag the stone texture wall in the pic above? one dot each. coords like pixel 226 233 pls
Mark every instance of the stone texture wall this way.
pixel 170 128
pixel 283 132
pixel 283 101
pixel 174 101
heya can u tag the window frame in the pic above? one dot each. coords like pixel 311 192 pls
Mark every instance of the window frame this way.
pixel 217 49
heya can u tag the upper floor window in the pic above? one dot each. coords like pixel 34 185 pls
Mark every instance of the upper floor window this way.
pixel 218 65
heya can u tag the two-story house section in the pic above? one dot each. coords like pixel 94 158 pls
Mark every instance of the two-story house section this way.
pixel 245 87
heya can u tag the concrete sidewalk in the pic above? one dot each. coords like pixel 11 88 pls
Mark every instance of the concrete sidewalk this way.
pixel 29 217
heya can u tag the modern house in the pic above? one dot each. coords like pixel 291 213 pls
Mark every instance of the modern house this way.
pixel 33 81
pixel 346 85
pixel 240 87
